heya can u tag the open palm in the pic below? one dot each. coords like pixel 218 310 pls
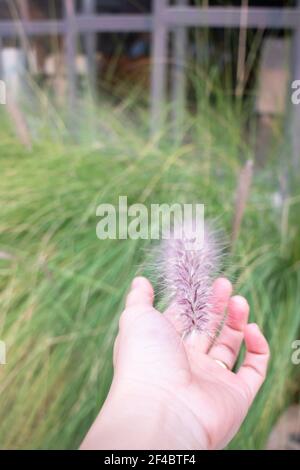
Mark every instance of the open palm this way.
pixel 181 388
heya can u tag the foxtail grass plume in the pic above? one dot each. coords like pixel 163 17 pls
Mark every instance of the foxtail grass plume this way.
pixel 189 266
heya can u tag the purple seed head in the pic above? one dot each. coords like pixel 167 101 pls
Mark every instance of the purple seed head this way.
pixel 188 271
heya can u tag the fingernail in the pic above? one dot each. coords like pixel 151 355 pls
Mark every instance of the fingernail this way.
pixel 254 326
pixel 136 281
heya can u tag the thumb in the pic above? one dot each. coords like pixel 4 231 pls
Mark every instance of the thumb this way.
pixel 141 293
pixel 139 299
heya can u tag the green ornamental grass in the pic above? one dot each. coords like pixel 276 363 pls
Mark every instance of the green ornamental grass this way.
pixel 62 289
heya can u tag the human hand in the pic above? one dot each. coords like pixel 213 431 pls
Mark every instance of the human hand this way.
pixel 170 392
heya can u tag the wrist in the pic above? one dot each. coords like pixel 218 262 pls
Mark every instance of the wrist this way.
pixel 136 417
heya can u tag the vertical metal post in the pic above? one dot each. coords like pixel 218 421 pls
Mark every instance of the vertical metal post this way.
pixel 159 64
pixel 70 52
pixel 21 11
pixel 24 9
pixel 89 8
pixel 179 74
pixel 295 123
pixel 1 62
pixel 242 49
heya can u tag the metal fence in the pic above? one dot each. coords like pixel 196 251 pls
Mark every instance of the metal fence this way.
pixel 164 19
